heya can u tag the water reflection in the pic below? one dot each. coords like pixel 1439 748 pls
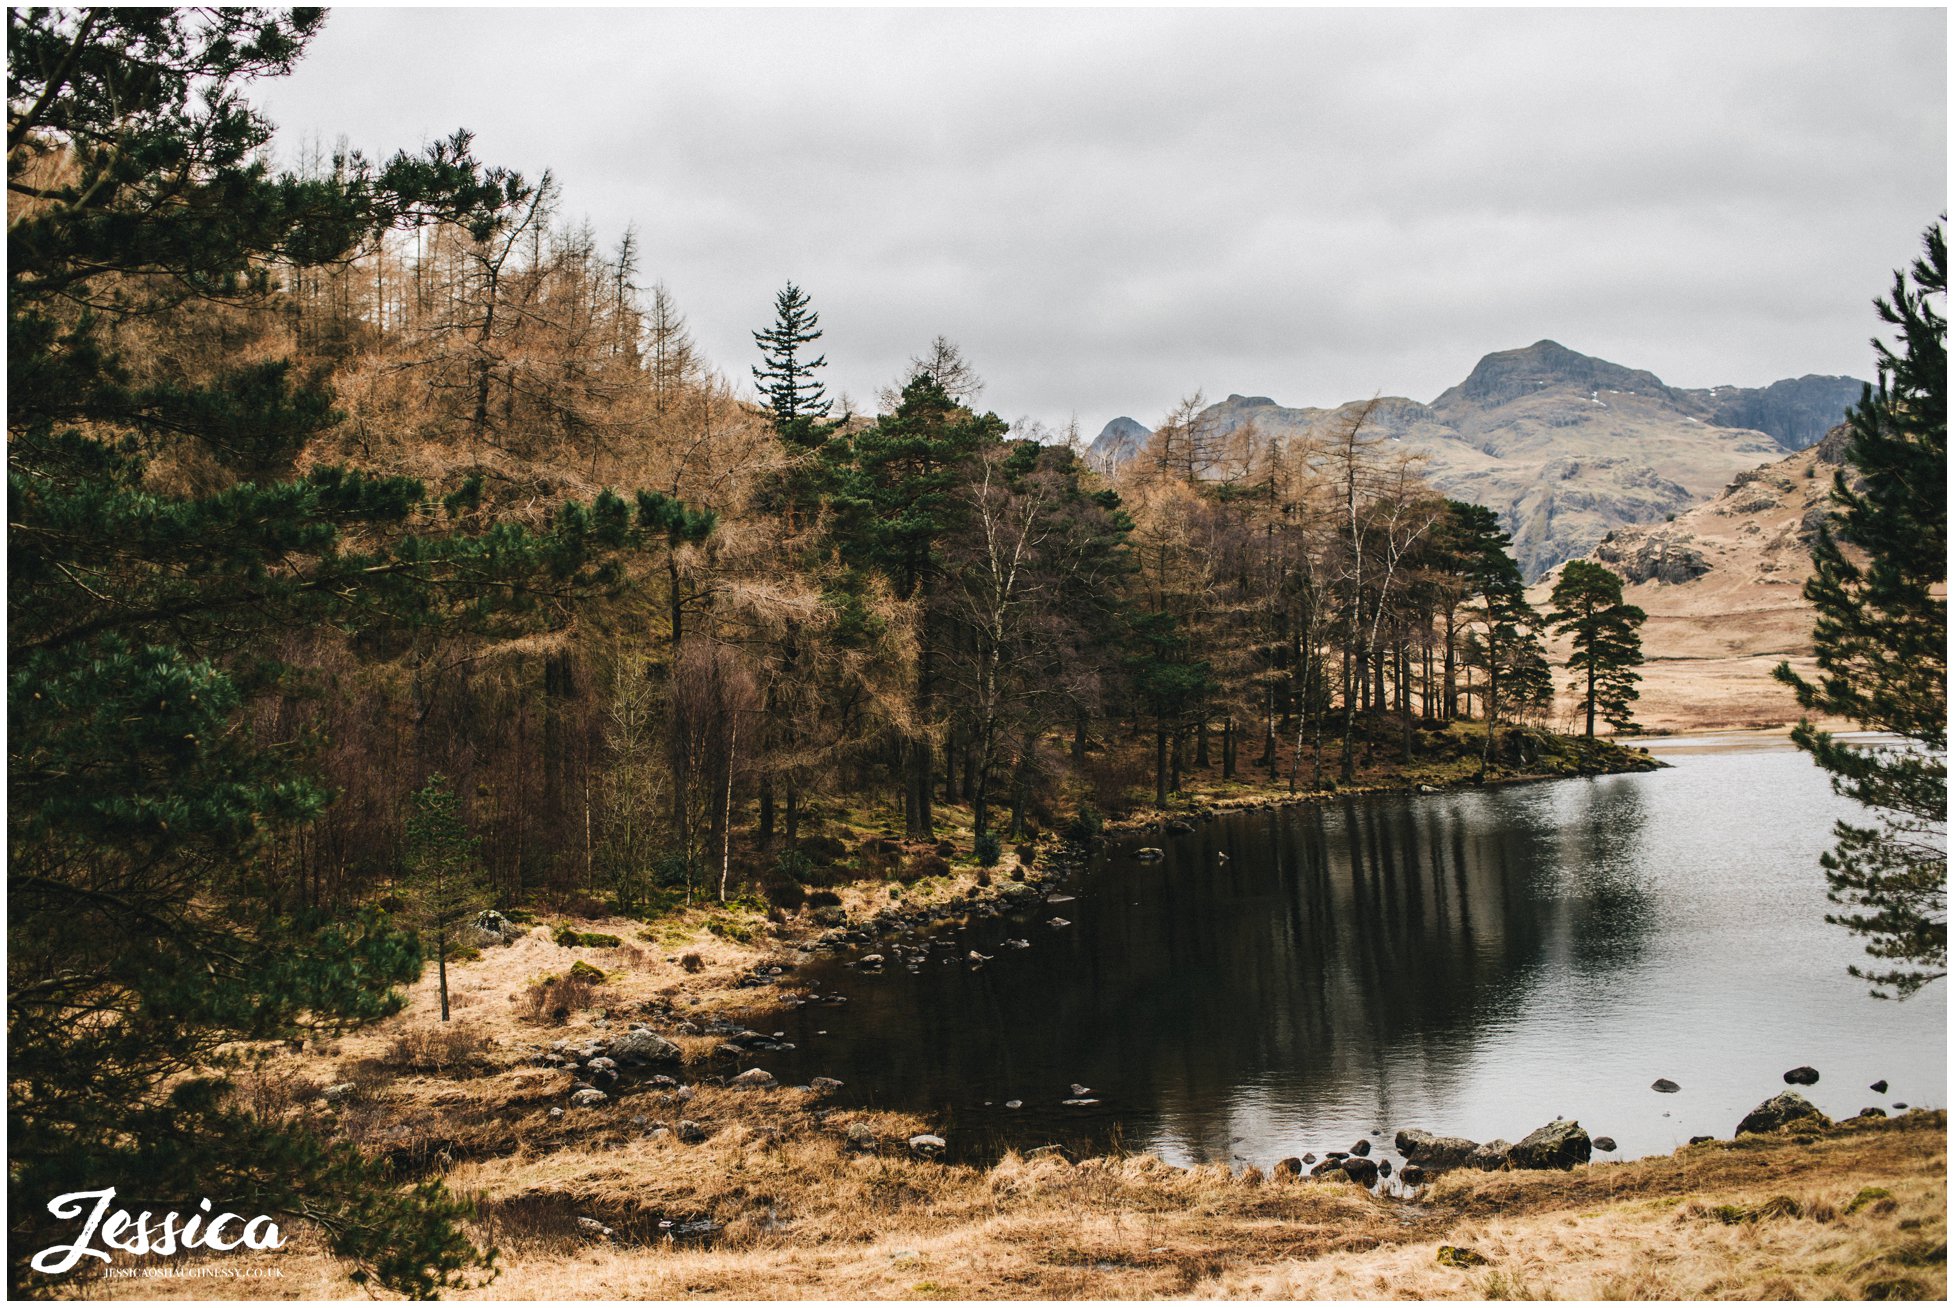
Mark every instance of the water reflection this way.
pixel 1288 981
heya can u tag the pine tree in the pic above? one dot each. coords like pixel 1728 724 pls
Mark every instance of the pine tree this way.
pixel 1879 588
pixel 1509 646
pixel 444 877
pixel 786 378
pixel 1587 604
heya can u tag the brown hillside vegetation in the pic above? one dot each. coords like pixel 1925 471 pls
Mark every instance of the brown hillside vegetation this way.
pixel 1723 587
pixel 808 1201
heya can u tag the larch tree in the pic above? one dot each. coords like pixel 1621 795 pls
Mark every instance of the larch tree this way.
pixel 1879 585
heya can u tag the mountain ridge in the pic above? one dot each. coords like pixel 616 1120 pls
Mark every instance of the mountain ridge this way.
pixel 1564 446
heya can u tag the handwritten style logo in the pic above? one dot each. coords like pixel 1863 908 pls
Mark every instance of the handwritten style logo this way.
pixel 134 1234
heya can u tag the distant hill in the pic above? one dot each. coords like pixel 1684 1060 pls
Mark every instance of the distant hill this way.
pixel 1118 441
pixel 1723 585
pixel 1564 446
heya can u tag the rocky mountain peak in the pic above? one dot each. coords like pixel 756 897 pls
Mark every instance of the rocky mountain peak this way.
pixel 1508 375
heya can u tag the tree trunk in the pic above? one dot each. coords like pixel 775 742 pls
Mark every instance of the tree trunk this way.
pixel 441 954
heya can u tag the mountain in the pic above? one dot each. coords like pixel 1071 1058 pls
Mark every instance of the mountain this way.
pixel 1723 585
pixel 1118 441
pixel 1564 446
pixel 1796 412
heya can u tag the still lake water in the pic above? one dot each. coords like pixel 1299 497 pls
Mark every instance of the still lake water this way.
pixel 1473 963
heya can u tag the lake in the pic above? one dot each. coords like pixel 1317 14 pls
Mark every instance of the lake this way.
pixel 1473 963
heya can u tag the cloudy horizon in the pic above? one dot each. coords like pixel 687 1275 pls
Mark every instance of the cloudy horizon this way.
pixel 1108 210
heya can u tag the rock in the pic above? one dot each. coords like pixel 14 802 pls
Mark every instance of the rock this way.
pixel 1899 1107
pixel 1424 789
pixel 1411 1174
pixel 1287 1167
pixel 1459 1256
pixel 594 1228
pixel 928 1146
pixel 1078 1103
pixel 1559 1144
pixel 1664 1086
pixel 1877 1087
pixel 642 1049
pixel 1180 826
pixel 1605 1143
pixel 1014 1103
pixel 340 1093
pixel 661 1082
pixel 1336 1155
pixel 1078 1089
pixel 1309 1158
pixel 556 1112
pixel 1801 1076
pixel 1384 1168
pixel 822 1085
pixel 861 1137
pixel 1701 1139
pixel 690 1132
pixel 1328 1167
pixel 1362 1148
pixel 1872 1112
pixel 1056 922
pixel 1782 1111
pixel 1149 854
pixel 755 1078
pixel 1436 1152
pixel 1361 1170
pixel 870 962
pixel 588 1098
pixel 601 1064
pixel 1493 1156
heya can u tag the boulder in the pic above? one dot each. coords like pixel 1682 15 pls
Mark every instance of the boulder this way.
pixel 1412 1174
pixel 1701 1139
pixel 1877 1087
pixel 340 1093
pixel 1309 1158
pixel 1362 1148
pixel 928 1146
pixel 642 1049
pixel 1559 1144
pixel 1149 854
pixel 1664 1086
pixel 588 1099
pixel 1801 1076
pixel 1783 1111
pixel 754 1078
pixel 1493 1156
pixel 1361 1170
pixel 1872 1112
pixel 1287 1167
pixel 1384 1168
pixel 822 1085
pixel 690 1132
pixel 1605 1143
pixel 1435 1152
pixel 1328 1167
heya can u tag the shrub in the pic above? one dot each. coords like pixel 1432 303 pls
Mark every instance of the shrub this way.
pixel 586 972
pixel 1087 824
pixel 924 865
pixel 945 849
pixel 444 1050
pixel 691 961
pixel 989 849
pixel 824 899
pixel 554 998
pixel 821 849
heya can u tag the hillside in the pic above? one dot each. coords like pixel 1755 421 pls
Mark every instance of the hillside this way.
pixel 1722 585
pixel 1566 447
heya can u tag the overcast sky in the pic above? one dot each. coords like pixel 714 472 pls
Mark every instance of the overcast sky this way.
pixel 1110 209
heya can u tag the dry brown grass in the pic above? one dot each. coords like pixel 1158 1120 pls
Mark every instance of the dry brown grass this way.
pixel 801 1212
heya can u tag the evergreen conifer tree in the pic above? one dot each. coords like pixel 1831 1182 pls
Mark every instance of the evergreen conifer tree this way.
pixel 785 376
pixel 1588 605
pixel 443 871
pixel 1879 588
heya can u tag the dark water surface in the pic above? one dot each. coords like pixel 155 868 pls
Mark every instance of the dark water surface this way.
pixel 1473 963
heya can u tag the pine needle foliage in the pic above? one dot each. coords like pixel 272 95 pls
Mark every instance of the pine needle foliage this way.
pixel 1879 588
